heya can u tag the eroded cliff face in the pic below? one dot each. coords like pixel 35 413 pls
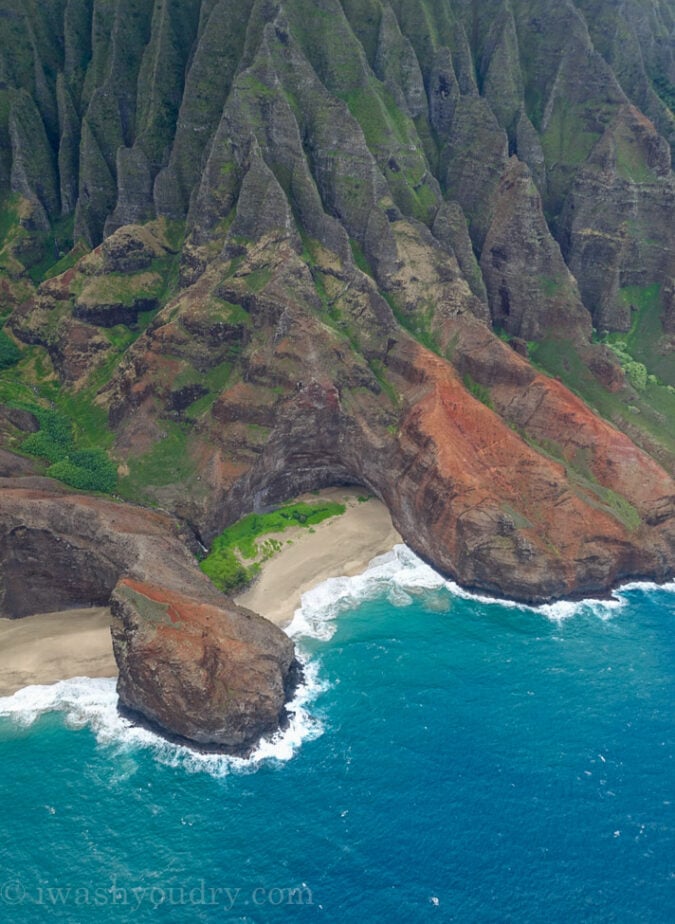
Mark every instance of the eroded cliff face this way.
pixel 249 249
pixel 318 243
pixel 191 663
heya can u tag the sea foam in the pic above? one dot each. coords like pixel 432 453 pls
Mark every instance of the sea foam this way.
pixel 399 575
pixel 85 701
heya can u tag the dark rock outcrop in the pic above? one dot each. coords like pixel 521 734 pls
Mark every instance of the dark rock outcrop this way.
pixel 531 291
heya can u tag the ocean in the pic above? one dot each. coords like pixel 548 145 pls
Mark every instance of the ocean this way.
pixel 450 758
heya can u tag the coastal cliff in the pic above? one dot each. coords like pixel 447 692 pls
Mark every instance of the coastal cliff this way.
pixel 421 246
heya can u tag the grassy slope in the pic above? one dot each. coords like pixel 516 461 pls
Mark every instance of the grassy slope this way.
pixel 225 563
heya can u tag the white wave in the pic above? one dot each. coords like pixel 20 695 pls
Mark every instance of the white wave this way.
pixel 400 575
pixel 92 702
pixel 602 608
pixel 81 699
pixel 396 574
pixel 648 586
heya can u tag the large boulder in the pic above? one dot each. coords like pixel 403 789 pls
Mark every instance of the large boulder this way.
pixel 217 676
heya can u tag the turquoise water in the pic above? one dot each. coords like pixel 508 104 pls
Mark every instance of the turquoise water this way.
pixel 454 760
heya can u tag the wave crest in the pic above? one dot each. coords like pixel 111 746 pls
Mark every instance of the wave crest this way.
pixel 92 703
pixel 400 574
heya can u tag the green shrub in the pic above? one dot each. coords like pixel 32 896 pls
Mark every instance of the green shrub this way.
pixel 637 373
pixel 222 564
pixel 84 469
pixel 54 440
pixel 225 570
pixel 10 354
pixel 481 392
pixel 87 470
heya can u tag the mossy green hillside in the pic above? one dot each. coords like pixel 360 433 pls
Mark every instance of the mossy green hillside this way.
pixel 55 441
pixel 10 354
pixel 645 341
pixel 649 418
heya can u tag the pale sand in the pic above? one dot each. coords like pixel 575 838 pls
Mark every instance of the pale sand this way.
pixel 342 545
pixel 77 643
pixel 55 646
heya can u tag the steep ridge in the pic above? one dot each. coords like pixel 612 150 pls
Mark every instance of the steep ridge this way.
pixel 307 218
pixel 251 249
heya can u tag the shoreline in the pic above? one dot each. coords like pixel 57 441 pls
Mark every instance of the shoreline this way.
pixel 340 546
pixel 47 647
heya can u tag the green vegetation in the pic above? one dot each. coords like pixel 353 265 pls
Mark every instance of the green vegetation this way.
pixel 644 339
pixel 666 90
pixel 214 381
pixel 392 137
pixel 636 372
pixel 10 354
pixel 66 262
pixel 360 257
pixel 572 131
pixel 258 279
pixel 122 288
pixel 167 462
pixel 54 440
pixel 653 411
pixel 41 254
pixel 553 285
pixel 224 563
pixel 579 474
pixel 56 249
pixel 417 323
pixel 9 218
pixel 478 391
pixel 85 469
pixel 631 162
pixel 378 369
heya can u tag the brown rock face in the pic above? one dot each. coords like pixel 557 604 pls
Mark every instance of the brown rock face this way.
pixel 191 663
pixel 217 676
pixel 310 408
pixel 480 503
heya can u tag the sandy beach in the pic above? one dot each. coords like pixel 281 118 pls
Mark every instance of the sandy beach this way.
pixel 55 646
pixel 76 643
pixel 342 545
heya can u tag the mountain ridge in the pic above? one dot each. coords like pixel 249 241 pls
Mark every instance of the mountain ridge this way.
pixel 286 212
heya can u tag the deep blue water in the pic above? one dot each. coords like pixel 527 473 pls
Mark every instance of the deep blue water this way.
pixel 461 761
